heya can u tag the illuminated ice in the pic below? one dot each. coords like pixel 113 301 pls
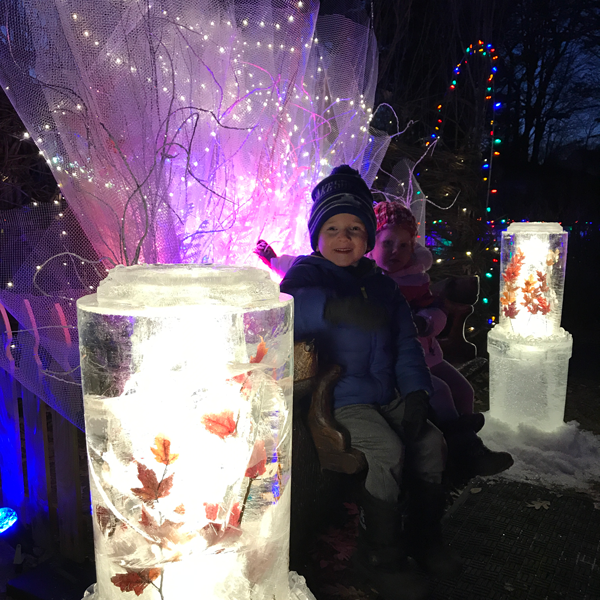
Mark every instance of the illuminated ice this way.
pixel 187 376
pixel 528 378
pixel 529 351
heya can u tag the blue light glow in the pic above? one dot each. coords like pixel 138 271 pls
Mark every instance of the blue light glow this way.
pixel 8 517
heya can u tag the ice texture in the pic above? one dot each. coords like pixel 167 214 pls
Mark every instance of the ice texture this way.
pixel 183 285
pixel 528 377
pixel 298 590
pixel 188 427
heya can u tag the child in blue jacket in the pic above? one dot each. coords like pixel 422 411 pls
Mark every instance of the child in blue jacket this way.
pixel 360 320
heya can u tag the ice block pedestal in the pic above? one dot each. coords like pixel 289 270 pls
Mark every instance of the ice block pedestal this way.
pixel 529 351
pixel 187 378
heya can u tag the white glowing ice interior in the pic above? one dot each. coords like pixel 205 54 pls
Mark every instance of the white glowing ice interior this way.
pixel 533 256
pixel 187 374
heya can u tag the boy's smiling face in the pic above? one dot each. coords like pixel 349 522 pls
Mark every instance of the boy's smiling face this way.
pixel 343 240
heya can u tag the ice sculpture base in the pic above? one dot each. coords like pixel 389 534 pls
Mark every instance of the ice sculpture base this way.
pixel 528 378
pixel 298 589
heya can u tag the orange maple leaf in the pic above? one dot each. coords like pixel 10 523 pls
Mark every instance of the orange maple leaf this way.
pixel 180 510
pixel 221 424
pixel 528 285
pixel 135 581
pixel 162 452
pixel 507 298
pixel 261 352
pixel 152 490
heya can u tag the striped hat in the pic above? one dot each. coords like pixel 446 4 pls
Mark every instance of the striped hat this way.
pixel 344 191
pixel 395 213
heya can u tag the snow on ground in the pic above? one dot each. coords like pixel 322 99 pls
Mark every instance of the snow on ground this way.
pixel 568 457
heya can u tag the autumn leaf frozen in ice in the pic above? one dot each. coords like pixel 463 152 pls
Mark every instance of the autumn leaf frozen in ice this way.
pixel 221 424
pixel 162 452
pixel 152 490
pixel 135 581
pixel 167 531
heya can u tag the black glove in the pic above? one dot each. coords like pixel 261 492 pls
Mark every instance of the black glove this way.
pixel 416 410
pixel 265 252
pixel 356 311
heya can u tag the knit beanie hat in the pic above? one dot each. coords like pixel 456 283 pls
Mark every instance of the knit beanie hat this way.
pixel 344 191
pixel 395 213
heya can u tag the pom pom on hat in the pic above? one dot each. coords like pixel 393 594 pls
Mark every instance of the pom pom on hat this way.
pixel 344 191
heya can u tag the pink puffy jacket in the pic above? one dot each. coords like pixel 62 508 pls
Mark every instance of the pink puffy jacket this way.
pixel 413 282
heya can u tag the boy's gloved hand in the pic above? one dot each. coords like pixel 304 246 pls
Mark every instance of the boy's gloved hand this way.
pixel 265 252
pixel 356 311
pixel 416 409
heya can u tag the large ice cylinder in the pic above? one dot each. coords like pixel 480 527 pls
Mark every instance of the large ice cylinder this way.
pixel 187 379
pixel 529 351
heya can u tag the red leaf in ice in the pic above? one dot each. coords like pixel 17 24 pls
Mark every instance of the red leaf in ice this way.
pixel 162 452
pixel 211 511
pixel 148 478
pixel 106 520
pixel 221 424
pixel 258 461
pixel 135 581
pixel 234 515
pixel 164 488
pixel 544 306
pixel 152 490
pixel 180 510
pixel 510 311
pixel 165 532
pixel 261 352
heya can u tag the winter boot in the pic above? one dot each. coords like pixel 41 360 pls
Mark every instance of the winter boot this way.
pixel 424 530
pixel 474 421
pixel 381 557
pixel 468 456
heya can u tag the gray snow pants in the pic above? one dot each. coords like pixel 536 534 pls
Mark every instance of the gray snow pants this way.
pixel 377 432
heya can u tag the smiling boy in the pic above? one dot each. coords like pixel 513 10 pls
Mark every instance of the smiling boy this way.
pixel 360 321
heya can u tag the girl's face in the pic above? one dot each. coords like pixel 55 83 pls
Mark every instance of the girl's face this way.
pixel 343 240
pixel 393 248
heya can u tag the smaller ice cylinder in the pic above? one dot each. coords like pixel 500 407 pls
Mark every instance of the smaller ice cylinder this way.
pixel 529 351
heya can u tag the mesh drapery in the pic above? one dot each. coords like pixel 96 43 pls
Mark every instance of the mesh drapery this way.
pixel 179 131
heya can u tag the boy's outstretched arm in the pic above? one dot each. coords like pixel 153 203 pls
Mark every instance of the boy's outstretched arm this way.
pixel 310 298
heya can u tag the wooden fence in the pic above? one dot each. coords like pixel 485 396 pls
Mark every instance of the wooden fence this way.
pixel 43 472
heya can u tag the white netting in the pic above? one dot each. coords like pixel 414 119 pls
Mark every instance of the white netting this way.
pixel 179 131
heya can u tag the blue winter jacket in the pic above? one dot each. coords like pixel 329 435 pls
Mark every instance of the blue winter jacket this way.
pixel 374 363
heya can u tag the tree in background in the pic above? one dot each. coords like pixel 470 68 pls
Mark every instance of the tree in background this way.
pixel 549 76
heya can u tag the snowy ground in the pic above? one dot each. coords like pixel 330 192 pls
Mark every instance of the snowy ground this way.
pixel 568 457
